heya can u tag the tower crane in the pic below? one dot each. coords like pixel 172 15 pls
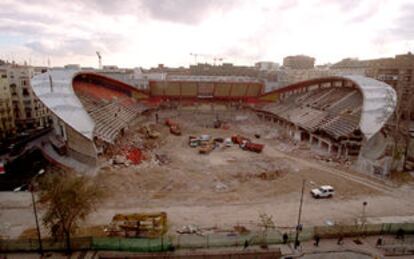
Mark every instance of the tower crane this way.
pixel 215 59
pixel 99 58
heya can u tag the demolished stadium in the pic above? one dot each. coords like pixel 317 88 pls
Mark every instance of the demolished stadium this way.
pixel 347 116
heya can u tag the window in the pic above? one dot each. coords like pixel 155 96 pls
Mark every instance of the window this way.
pixel 25 92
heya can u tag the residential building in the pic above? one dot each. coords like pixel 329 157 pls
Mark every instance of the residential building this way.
pixel 7 125
pixel 28 111
pixel 299 62
pixel 266 66
pixel 226 69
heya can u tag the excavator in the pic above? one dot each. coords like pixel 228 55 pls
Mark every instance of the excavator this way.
pixel 149 133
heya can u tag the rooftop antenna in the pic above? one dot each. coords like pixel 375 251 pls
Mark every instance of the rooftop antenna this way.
pixel 100 59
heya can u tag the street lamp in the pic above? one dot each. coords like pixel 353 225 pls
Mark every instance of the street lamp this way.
pixel 31 190
pixel 364 205
pixel 299 226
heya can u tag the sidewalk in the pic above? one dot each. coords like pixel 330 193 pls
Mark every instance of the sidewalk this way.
pixel 348 249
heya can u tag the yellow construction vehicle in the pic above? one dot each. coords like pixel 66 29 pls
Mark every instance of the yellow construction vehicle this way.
pixel 148 225
pixel 149 133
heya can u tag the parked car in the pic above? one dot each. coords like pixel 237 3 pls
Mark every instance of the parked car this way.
pixel 228 142
pixel 325 191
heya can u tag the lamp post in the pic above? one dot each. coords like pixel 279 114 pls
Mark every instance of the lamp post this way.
pixel 364 205
pixel 299 226
pixel 31 190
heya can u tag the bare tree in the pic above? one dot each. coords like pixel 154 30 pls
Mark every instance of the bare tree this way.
pixel 68 199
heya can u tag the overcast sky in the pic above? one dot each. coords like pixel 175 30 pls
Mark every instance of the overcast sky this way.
pixel 147 32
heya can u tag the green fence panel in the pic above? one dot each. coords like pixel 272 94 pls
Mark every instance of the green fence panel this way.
pixel 191 241
pixel 105 243
pixel 132 244
pixel 274 237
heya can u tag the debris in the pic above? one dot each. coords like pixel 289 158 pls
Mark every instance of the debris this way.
pixel 162 159
pixel 135 156
pixel 241 229
pixel 119 160
pixel 189 229
pixel 220 187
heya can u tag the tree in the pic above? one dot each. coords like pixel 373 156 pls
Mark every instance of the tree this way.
pixel 68 199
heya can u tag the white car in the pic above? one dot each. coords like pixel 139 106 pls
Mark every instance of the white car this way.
pixel 228 142
pixel 325 191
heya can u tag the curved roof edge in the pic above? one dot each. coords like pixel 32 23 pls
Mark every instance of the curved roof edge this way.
pixel 54 89
pixel 379 99
pixel 379 103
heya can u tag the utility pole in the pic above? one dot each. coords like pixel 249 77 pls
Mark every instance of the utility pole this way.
pixel 298 226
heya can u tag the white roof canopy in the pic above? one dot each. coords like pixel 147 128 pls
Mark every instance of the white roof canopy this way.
pixel 54 89
pixel 379 102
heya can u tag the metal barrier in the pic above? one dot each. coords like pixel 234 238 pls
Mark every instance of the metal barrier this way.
pixel 190 241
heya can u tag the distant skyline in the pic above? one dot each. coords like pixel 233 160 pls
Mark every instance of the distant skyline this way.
pixel 144 33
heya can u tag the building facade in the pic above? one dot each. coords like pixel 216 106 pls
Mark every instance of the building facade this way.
pixel 28 111
pixel 299 62
pixel 226 69
pixel 7 125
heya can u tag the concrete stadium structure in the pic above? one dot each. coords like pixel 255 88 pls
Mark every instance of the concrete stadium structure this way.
pixel 341 114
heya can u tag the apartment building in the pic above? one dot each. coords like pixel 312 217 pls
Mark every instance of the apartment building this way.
pixel 7 125
pixel 28 111
pixel 299 62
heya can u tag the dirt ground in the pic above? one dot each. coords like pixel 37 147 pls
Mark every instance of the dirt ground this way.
pixel 229 186
pixel 226 175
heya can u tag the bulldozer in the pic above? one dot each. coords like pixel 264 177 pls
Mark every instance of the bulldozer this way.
pixel 149 133
pixel 147 225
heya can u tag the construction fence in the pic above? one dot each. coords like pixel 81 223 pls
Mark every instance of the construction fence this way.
pixel 191 241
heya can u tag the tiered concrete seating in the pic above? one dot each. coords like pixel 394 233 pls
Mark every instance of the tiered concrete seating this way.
pixel 335 111
pixel 348 103
pixel 342 125
pixel 111 111
pixel 327 100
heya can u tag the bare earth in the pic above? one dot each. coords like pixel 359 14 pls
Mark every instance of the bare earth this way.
pixel 229 186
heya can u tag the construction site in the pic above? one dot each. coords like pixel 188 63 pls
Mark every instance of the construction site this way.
pixel 213 155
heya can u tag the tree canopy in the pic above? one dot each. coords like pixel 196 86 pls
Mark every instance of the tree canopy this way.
pixel 68 200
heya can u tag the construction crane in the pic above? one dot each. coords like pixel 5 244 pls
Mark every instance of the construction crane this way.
pixel 100 59
pixel 215 59
pixel 195 55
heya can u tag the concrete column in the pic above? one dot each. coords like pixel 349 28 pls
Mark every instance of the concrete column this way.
pixel 329 148
pixel 297 135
